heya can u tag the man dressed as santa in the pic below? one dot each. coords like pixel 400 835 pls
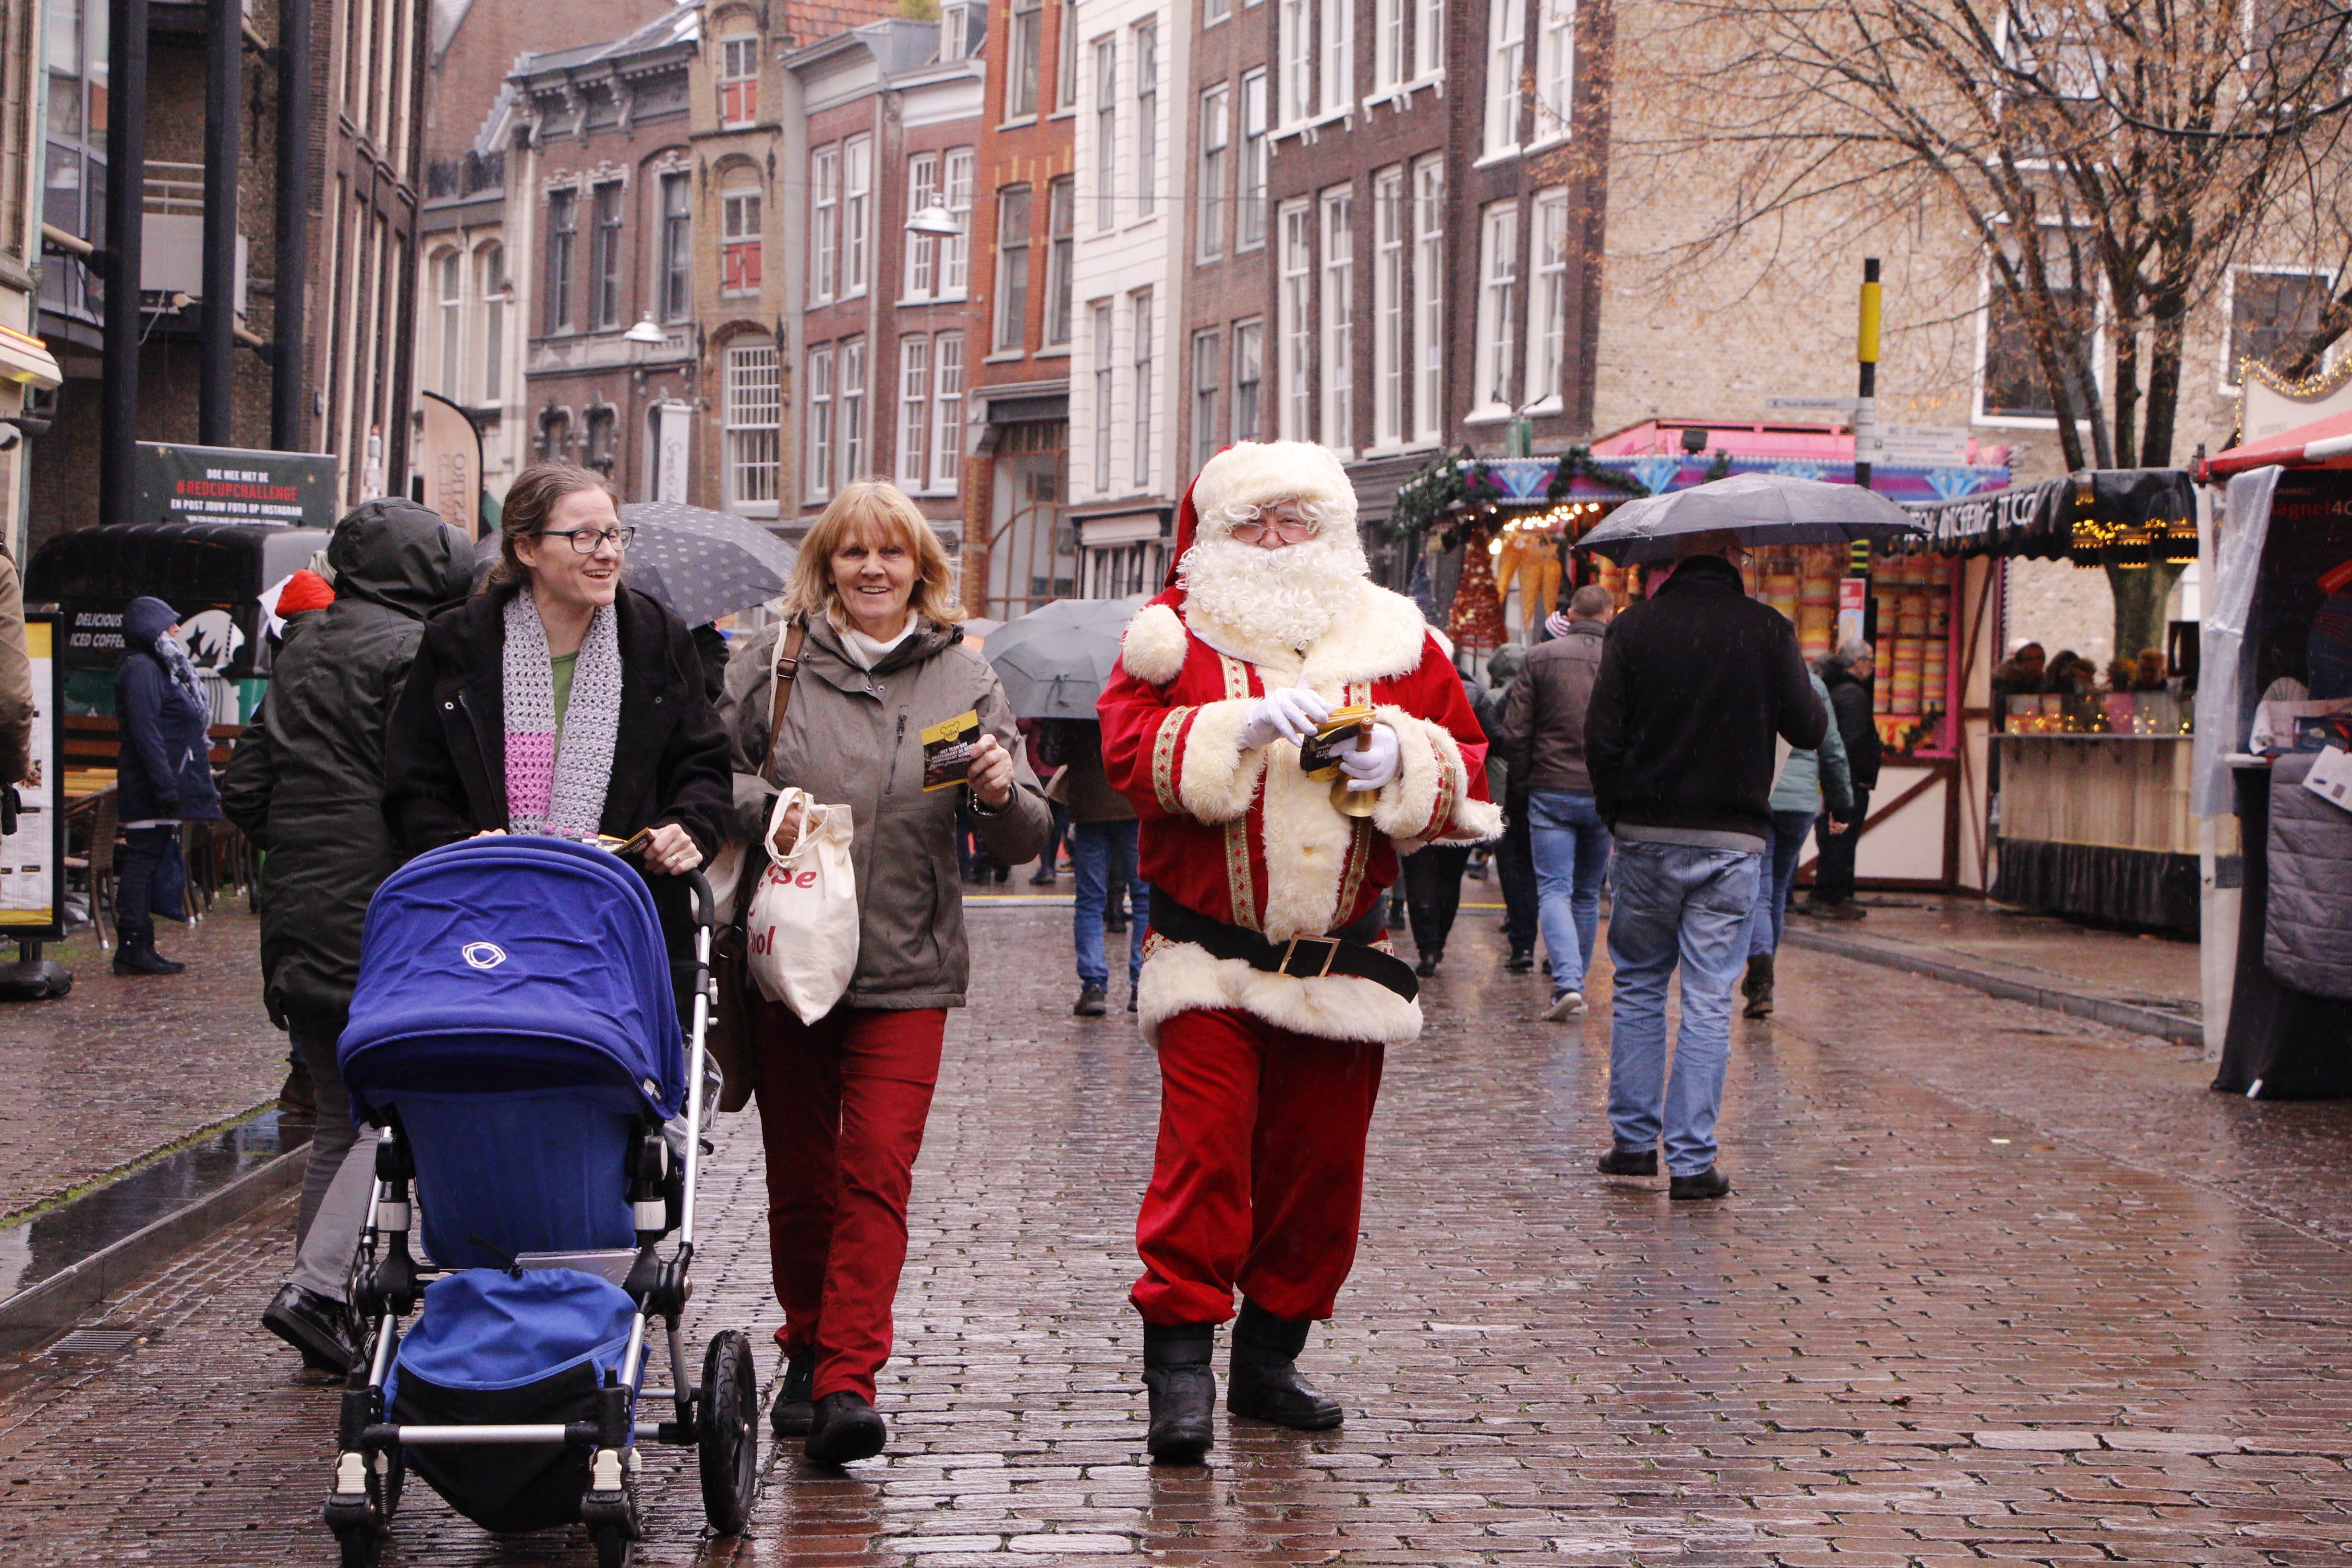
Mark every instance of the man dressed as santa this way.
pixel 1268 987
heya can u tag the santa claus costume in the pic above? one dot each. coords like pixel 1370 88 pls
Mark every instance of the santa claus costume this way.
pixel 1268 987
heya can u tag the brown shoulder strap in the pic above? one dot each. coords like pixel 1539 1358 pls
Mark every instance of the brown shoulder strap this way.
pixel 788 669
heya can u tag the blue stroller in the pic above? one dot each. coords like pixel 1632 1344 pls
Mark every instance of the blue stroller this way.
pixel 515 1037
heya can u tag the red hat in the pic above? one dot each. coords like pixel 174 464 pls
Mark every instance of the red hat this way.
pixel 1188 528
pixel 305 590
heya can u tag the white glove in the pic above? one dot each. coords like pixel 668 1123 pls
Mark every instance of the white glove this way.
pixel 1290 715
pixel 1375 765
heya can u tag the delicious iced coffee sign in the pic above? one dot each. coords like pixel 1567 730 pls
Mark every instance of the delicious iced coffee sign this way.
pixel 226 484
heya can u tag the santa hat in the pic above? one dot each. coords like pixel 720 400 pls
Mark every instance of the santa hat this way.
pixel 1259 473
pixel 305 590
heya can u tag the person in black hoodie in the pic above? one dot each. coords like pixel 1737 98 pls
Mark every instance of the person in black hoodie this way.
pixel 1847 673
pixel 1695 682
pixel 163 777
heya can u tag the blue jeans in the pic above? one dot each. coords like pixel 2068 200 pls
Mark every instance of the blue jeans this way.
pixel 1774 878
pixel 1098 851
pixel 1674 903
pixel 1571 853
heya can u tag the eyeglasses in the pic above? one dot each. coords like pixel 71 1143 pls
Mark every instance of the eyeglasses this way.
pixel 584 541
pixel 1292 529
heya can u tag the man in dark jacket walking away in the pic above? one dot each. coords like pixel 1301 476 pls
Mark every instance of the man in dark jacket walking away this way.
pixel 1847 673
pixel 1695 684
pixel 1544 742
pixel 304 785
pixel 1102 829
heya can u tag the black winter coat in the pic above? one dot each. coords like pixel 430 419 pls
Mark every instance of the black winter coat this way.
pixel 1849 701
pixel 165 766
pixel 445 753
pixel 306 782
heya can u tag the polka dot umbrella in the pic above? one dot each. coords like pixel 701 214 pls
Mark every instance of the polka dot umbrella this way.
pixel 704 564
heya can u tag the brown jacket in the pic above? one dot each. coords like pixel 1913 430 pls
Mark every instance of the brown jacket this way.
pixel 15 679
pixel 1542 733
pixel 1076 745
pixel 854 737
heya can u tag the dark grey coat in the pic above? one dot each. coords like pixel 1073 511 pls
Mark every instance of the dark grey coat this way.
pixel 306 782
pixel 2308 925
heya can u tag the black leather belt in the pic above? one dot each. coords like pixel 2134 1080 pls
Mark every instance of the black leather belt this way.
pixel 1343 951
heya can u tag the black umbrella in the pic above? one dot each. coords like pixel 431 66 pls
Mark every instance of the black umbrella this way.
pixel 1763 509
pixel 704 564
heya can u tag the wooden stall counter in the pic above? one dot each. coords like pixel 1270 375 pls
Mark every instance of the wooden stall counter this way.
pixel 2098 826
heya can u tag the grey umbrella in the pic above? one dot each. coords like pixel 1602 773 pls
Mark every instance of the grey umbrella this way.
pixel 1762 509
pixel 1057 660
pixel 704 564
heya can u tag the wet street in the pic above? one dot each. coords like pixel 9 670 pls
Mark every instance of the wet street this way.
pixel 1995 1284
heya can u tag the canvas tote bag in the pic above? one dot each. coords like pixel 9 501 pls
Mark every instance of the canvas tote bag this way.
pixel 801 931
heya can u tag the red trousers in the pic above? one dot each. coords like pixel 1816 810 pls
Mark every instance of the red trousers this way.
pixel 1258 1181
pixel 842 1107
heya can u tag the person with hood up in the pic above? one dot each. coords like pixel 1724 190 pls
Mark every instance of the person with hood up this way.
pixel 303 787
pixel 163 777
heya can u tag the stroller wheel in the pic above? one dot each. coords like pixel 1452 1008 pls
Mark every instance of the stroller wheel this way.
pixel 726 1432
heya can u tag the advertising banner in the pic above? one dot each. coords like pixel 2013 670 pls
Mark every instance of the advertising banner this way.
pixel 230 484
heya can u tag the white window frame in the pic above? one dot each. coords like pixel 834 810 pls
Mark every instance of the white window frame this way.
pixel 922 264
pixel 1555 70
pixel 1391 221
pixel 1249 371
pixel 1293 45
pixel 1988 286
pixel 1337 66
pixel 674 288
pixel 1207 376
pixel 1547 302
pixel 1506 25
pixel 947 403
pixel 914 410
pixel 825 223
pixel 491 280
pixel 1295 413
pixel 1010 332
pixel 738 62
pixel 1249 219
pixel 1429 40
pixel 1100 330
pixel 1106 133
pixel 819 477
pixel 1388 46
pixel 739 229
pixel 1216 142
pixel 449 296
pixel 1061 259
pixel 955 250
pixel 856 216
pixel 1498 284
pixel 750 421
pixel 852 410
pixel 1338 304
pixel 1142 322
pixel 1215 11
pixel 1147 118
pixel 1428 299
pixel 1025 23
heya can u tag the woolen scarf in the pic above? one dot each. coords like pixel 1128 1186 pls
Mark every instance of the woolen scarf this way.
pixel 560 795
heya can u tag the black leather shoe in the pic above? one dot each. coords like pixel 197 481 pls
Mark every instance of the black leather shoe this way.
pixel 1265 1384
pixel 842 1427
pixel 311 1323
pixel 1428 965
pixel 1522 960
pixel 1707 1183
pixel 1628 1163
pixel 1183 1387
pixel 1758 987
pixel 791 1415
pixel 1091 1002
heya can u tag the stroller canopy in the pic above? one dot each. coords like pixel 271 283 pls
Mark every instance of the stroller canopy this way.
pixel 515 963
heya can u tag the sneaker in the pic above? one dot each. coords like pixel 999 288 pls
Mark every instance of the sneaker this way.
pixel 1428 965
pixel 793 1412
pixel 1707 1183
pixel 1522 960
pixel 843 1428
pixel 1628 1163
pixel 1566 1005
pixel 1091 1002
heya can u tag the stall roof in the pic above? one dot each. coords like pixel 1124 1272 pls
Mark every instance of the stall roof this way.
pixel 2132 515
pixel 1651 454
pixel 2325 442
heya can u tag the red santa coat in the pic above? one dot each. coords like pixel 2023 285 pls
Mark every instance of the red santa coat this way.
pixel 1247 838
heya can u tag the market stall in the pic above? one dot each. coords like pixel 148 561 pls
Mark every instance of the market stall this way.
pixel 2275 695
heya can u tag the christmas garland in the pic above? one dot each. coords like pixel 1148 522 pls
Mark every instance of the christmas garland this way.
pixel 1428 498
pixel 1577 463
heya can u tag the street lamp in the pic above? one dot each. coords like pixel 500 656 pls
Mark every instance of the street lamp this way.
pixel 934 219
pixel 647 332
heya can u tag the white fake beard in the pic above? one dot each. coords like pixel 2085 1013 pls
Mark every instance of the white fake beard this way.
pixel 1284 598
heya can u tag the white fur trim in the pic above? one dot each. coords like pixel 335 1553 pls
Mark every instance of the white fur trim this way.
pixel 1218 780
pixel 1152 650
pixel 1255 473
pixel 1428 758
pixel 1306 850
pixel 1179 976
pixel 1378 636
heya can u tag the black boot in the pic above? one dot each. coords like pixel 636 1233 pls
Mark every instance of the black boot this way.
pixel 1183 1383
pixel 1521 960
pixel 134 952
pixel 1265 1382
pixel 1758 987
pixel 792 1414
pixel 844 1427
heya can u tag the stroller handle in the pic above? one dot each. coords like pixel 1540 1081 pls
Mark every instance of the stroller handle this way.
pixel 706 903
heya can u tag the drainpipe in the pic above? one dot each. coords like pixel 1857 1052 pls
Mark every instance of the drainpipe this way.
pixel 289 352
pixel 224 79
pixel 126 186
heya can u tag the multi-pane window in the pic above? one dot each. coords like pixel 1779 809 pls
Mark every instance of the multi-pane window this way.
pixel 947 409
pixel 914 408
pixel 1215 11
pixel 1339 55
pixel 955 250
pixel 852 410
pixel 1249 360
pixel 1429 298
pixel 1295 324
pixel 1012 268
pixel 1499 286
pixel 1388 45
pixel 955 32
pixel 1547 334
pixel 750 411
pixel 1506 44
pixel 857 213
pixel 562 237
pixel 1214 145
pixel 1144 389
pixel 1147 118
pixel 450 280
pixel 2015 386
pixel 1020 46
pixel 2272 314
pixel 825 223
pixel 1101 330
pixel 738 240
pixel 676 245
pixel 1291 45
pixel 1338 319
pixel 490 273
pixel 1555 67
pixel 738 80
pixel 820 424
pixel 1106 133
pixel 1066 57
pixel 1204 397
pixel 1429 38
pixel 922 249
pixel 1249 223
pixel 1061 257
pixel 607 255
pixel 1389 221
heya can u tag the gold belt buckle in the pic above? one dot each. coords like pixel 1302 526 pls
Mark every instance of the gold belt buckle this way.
pixel 1330 955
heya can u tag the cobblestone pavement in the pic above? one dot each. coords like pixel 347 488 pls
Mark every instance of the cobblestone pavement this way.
pixel 1995 1286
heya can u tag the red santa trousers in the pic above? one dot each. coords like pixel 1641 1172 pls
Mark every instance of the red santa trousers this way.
pixel 842 1106
pixel 1258 1182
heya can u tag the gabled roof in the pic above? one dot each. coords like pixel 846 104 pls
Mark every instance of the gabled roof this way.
pixel 681 25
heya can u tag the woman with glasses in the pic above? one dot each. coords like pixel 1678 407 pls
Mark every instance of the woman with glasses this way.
pixel 555 701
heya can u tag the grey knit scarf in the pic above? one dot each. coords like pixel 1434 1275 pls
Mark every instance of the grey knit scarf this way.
pixel 560 795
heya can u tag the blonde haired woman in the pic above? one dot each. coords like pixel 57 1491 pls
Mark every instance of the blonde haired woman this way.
pixel 843 1098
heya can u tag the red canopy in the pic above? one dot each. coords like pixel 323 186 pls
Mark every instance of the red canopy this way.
pixel 2322 444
